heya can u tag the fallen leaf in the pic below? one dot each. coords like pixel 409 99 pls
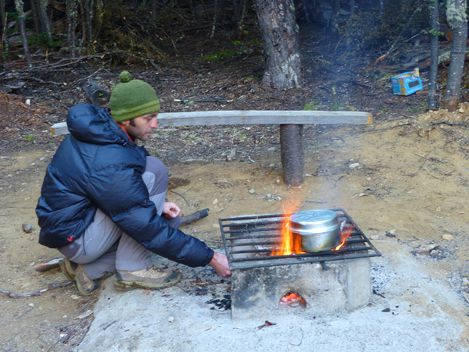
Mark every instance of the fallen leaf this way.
pixel 266 324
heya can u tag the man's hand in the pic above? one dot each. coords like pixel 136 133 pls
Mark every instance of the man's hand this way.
pixel 219 262
pixel 171 210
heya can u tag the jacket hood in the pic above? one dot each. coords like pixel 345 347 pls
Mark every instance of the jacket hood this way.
pixel 95 125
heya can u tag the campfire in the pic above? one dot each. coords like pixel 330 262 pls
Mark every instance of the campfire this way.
pixel 312 260
pixel 267 240
pixel 291 243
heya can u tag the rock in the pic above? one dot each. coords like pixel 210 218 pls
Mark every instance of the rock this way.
pixel 170 319
pixel 425 249
pixel 466 296
pixel 27 228
pixel 231 155
pixel 447 237
pixel 354 165
pixel 272 197
pixel 215 201
pixel 463 107
pixel 85 314
pixel 252 191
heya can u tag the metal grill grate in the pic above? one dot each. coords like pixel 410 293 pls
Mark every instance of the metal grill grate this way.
pixel 250 239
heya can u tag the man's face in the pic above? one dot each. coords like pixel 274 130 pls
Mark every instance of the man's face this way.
pixel 141 127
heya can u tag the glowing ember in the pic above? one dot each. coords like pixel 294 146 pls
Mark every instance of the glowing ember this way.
pixel 293 299
pixel 344 235
pixel 289 244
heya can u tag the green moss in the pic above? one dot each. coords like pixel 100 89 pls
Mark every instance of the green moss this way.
pixel 29 138
pixel 41 40
pixel 312 105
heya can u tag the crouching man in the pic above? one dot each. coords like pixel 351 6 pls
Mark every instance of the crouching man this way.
pixel 102 203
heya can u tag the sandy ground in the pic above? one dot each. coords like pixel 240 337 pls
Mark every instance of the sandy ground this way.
pixel 405 186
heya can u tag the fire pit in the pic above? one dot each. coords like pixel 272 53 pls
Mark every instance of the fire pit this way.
pixel 265 254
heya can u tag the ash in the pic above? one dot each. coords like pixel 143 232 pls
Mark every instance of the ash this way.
pixel 201 282
pixel 381 278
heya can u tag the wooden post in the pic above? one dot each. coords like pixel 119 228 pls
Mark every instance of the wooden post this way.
pixel 292 155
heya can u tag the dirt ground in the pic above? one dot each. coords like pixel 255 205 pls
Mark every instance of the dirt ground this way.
pixel 405 178
pixel 397 179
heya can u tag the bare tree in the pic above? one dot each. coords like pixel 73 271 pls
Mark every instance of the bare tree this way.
pixel 281 49
pixel 72 14
pixel 435 33
pixel 3 22
pixel 87 17
pixel 40 18
pixel 2 14
pixel 216 10
pixel 21 17
pixel 457 19
pixel 239 13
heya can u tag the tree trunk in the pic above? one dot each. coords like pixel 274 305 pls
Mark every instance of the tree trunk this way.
pixel 72 12
pixel 435 30
pixel 98 17
pixel 88 19
pixel 35 13
pixel 19 9
pixel 239 13
pixel 40 18
pixel 45 22
pixel 2 15
pixel 215 19
pixel 457 19
pixel 4 41
pixel 280 35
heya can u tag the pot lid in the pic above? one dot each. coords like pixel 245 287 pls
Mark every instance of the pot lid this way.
pixel 309 218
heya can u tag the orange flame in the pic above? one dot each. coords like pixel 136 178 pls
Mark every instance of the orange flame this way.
pixel 344 235
pixel 289 244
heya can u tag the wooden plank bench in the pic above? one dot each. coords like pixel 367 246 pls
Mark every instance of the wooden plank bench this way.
pixel 290 121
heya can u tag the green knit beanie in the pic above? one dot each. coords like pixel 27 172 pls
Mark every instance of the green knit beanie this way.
pixel 132 98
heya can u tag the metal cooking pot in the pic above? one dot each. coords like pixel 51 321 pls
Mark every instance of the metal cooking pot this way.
pixel 318 229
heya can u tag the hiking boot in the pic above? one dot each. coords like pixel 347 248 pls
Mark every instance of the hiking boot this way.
pixel 152 279
pixel 68 268
pixel 84 284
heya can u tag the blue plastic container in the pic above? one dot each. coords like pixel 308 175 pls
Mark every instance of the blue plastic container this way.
pixel 406 83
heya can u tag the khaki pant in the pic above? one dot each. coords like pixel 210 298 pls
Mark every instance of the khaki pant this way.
pixel 104 248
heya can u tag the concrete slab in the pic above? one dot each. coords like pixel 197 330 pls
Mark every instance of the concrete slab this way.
pixel 414 311
pixel 336 287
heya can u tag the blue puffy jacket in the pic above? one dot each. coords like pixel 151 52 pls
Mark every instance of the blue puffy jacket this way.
pixel 98 166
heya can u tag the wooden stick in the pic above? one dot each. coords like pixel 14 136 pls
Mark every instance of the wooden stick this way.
pixel 39 292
